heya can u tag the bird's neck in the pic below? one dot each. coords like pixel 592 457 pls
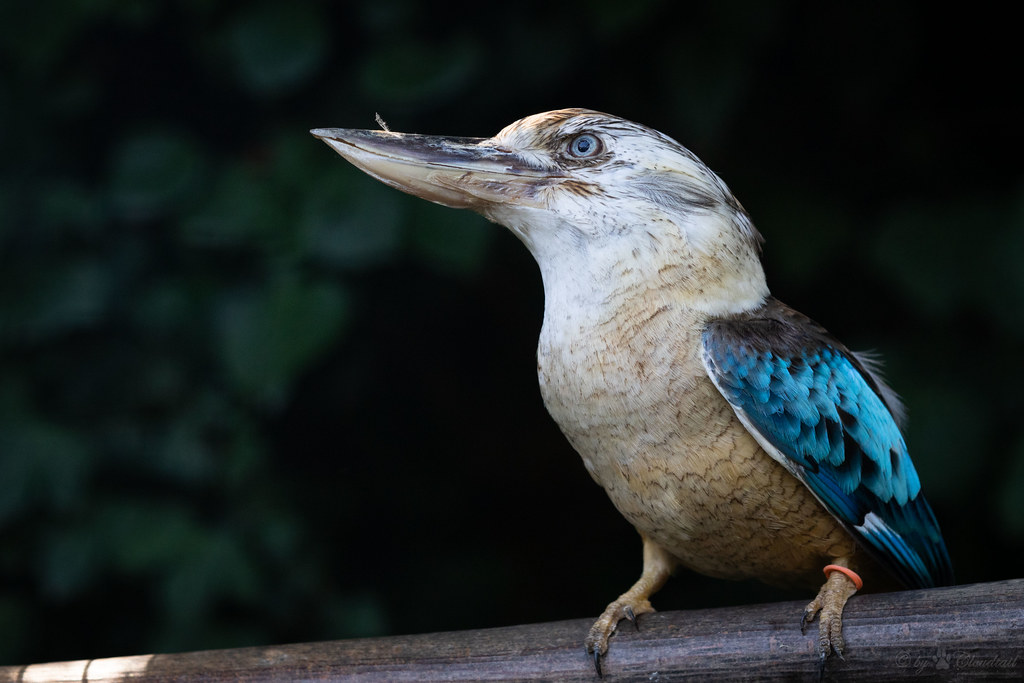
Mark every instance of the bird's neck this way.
pixel 601 284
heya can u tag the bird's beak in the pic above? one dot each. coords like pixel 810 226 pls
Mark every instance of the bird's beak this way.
pixel 461 173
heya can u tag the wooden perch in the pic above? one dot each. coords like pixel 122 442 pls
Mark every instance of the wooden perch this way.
pixel 966 632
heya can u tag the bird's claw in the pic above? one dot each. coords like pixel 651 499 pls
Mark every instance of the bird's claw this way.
pixel 597 662
pixel 807 618
pixel 830 626
pixel 631 616
pixel 597 640
pixel 827 607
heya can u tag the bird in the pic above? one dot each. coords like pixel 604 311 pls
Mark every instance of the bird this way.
pixel 739 437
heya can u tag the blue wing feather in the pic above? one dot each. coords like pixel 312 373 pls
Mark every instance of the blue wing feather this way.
pixel 831 419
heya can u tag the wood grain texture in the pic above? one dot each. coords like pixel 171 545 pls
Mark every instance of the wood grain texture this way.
pixel 973 632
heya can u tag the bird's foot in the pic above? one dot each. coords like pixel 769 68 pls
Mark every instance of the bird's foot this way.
pixel 597 639
pixel 828 608
pixel 658 565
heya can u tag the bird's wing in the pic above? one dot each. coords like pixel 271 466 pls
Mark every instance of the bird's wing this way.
pixel 819 410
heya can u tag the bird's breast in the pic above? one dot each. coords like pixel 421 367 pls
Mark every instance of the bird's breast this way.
pixel 628 388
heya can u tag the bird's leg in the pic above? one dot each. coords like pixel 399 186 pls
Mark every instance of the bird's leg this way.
pixel 658 566
pixel 840 585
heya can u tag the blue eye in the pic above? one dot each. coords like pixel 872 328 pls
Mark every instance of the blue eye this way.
pixel 585 145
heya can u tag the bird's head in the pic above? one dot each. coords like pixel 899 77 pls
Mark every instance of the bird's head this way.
pixel 600 201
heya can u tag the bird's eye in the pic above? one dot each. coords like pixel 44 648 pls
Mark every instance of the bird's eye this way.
pixel 585 145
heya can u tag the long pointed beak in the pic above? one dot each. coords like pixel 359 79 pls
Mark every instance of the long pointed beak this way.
pixel 457 172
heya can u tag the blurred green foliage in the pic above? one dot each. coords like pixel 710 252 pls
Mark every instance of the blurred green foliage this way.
pixel 249 395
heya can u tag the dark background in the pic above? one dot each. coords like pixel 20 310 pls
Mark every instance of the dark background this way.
pixel 250 396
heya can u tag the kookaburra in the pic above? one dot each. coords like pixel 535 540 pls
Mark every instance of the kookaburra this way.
pixel 739 437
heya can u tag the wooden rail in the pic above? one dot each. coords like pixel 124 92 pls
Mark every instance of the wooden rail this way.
pixel 973 632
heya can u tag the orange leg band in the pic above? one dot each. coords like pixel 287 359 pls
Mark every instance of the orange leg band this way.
pixel 852 575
